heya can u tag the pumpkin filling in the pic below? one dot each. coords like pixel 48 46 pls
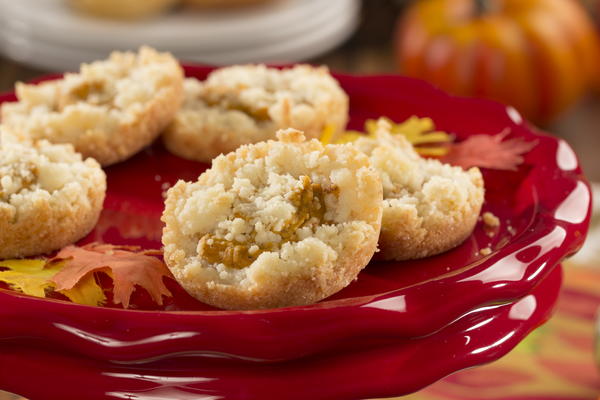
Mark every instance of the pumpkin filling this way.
pixel 259 114
pixel 309 202
pixel 92 92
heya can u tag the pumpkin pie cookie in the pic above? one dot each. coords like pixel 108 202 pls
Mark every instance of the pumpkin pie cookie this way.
pixel 110 110
pixel 274 224
pixel 428 207
pixel 249 103
pixel 49 197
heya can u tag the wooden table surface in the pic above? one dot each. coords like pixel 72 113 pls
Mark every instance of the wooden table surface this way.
pixel 369 51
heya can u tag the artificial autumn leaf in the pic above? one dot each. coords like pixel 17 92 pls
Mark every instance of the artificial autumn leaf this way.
pixel 489 152
pixel 87 291
pixel 420 132
pixel 126 265
pixel 327 134
pixel 28 276
pixel 34 277
pixel 476 151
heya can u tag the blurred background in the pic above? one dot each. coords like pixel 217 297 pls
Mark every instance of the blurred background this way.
pixel 541 56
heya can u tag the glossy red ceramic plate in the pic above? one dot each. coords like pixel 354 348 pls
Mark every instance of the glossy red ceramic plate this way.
pixel 544 207
pixel 399 368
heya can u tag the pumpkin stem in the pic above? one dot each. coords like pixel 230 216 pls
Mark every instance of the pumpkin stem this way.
pixel 482 7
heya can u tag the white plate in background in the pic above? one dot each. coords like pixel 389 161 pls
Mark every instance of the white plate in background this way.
pixel 324 36
pixel 182 30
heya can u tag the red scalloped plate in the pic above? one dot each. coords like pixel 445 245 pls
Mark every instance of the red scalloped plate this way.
pixel 544 207
pixel 399 368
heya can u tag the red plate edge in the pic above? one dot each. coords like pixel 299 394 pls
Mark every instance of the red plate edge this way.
pixel 393 370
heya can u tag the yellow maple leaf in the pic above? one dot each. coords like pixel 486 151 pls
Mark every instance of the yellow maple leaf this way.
pixel 327 134
pixel 87 292
pixel 418 131
pixel 28 276
pixel 349 136
pixel 33 277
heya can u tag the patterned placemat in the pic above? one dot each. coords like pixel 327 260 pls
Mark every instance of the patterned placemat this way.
pixel 555 362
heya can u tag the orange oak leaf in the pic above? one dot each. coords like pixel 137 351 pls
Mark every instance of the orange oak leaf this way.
pixel 489 151
pixel 126 265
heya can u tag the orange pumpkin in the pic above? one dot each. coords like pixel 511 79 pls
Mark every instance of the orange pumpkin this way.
pixel 537 55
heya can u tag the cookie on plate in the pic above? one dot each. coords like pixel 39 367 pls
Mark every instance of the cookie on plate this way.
pixel 110 110
pixel 248 103
pixel 49 197
pixel 429 207
pixel 274 224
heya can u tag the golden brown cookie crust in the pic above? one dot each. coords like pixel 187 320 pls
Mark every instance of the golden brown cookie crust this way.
pixel 109 111
pixel 403 236
pixel 428 207
pixel 248 103
pixel 58 204
pixel 295 267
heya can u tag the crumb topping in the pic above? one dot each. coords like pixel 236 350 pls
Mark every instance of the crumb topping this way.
pixel 248 103
pixel 98 99
pixel 486 251
pixel 254 89
pixel 287 97
pixel 308 200
pixel 27 169
pixel 428 186
pixel 16 177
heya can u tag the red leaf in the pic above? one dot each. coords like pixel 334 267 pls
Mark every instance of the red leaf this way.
pixel 489 152
pixel 125 264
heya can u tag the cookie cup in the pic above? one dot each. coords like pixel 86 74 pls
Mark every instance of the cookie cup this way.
pixel 275 224
pixel 49 198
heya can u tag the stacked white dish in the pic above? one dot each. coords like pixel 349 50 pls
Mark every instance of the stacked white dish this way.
pixel 48 34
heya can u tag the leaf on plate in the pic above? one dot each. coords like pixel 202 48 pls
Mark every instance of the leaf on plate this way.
pixel 418 131
pixel 34 277
pixel 476 151
pixel 126 265
pixel 489 151
pixel 87 291
pixel 327 134
pixel 28 276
